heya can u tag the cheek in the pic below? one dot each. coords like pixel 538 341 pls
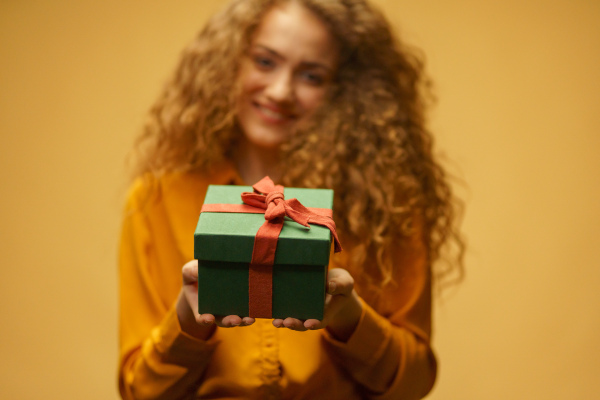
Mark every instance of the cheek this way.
pixel 249 80
pixel 311 98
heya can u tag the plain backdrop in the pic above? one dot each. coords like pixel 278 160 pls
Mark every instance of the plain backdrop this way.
pixel 518 83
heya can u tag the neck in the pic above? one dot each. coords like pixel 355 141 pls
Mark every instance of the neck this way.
pixel 254 162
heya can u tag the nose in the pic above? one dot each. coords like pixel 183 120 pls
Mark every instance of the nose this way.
pixel 281 87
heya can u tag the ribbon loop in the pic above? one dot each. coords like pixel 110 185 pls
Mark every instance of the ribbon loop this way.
pixel 254 200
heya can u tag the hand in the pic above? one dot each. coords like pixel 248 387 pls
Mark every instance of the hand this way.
pixel 342 308
pixel 200 326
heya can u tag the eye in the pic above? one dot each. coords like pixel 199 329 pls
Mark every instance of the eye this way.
pixel 263 62
pixel 313 78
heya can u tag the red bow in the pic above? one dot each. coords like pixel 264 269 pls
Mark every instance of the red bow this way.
pixel 269 197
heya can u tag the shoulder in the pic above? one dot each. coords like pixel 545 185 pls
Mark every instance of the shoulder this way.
pixel 173 189
pixel 140 192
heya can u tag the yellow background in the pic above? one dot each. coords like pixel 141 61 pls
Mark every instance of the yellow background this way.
pixel 518 117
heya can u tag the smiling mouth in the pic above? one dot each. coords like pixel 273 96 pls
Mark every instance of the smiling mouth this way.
pixel 274 115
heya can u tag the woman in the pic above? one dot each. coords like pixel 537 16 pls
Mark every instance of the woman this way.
pixel 313 93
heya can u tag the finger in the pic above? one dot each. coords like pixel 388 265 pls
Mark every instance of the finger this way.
pixel 230 321
pixel 278 323
pixel 205 319
pixel 312 324
pixel 247 321
pixel 339 282
pixel 190 272
pixel 294 324
pixel 190 293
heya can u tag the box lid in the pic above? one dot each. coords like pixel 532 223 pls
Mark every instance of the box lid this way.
pixel 230 236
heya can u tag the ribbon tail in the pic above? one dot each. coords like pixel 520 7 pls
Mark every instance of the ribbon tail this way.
pixel 304 216
pixel 330 224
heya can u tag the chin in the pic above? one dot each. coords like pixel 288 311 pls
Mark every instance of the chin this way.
pixel 266 140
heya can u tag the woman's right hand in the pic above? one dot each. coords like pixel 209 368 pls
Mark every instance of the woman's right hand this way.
pixel 200 326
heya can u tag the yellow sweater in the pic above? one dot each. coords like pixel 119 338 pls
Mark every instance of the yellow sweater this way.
pixel 158 360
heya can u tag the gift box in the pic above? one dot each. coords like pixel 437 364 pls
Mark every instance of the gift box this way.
pixel 234 280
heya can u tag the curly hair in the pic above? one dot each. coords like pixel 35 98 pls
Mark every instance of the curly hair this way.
pixel 369 141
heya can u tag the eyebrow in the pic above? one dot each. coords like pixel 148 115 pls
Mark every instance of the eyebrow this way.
pixel 309 64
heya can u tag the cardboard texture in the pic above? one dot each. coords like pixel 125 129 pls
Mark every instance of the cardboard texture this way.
pixel 223 244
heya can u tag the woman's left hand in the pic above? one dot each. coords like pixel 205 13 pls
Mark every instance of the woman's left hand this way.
pixel 342 308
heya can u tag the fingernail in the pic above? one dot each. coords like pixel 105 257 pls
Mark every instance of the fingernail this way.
pixel 332 287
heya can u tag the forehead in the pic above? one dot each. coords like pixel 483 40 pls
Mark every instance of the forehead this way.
pixel 296 33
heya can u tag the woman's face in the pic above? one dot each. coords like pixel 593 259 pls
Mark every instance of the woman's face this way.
pixel 288 70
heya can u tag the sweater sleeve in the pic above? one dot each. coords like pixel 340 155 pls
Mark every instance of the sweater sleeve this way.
pixel 157 360
pixel 394 339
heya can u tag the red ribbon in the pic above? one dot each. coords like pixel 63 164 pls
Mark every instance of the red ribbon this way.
pixel 268 198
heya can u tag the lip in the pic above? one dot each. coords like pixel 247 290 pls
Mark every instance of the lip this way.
pixel 273 114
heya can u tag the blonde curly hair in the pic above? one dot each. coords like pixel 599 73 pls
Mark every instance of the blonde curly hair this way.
pixel 368 141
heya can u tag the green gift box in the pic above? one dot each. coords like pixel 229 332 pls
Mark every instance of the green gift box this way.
pixel 224 243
